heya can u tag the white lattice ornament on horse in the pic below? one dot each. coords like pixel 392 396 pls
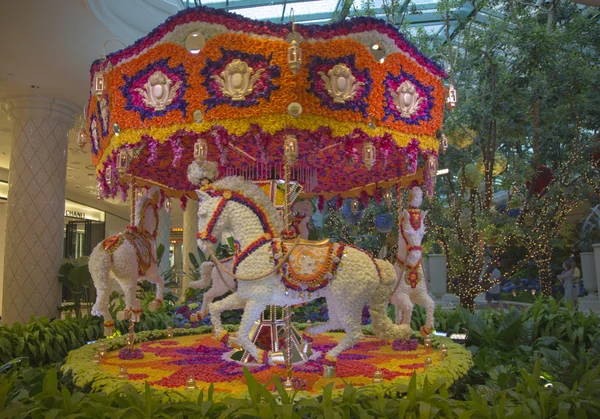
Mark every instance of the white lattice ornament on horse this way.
pixel 412 287
pixel 128 257
pixel 350 278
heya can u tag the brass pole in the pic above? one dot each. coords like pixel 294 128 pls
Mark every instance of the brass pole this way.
pixel 286 198
pixel 133 197
pixel 288 348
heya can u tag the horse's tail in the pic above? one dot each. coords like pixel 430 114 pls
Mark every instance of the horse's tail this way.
pixel 205 276
pixel 383 326
pixel 99 266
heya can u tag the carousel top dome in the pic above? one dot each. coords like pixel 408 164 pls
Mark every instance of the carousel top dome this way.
pixel 361 104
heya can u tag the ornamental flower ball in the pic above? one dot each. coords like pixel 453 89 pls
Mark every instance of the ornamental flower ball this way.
pixel 471 177
pixel 384 223
pixel 500 163
pixel 460 138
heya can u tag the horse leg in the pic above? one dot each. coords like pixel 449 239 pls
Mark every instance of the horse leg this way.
pixel 99 266
pixel 404 307
pixel 231 302
pixel 423 299
pixel 350 315
pixel 331 324
pixel 208 298
pixel 154 277
pixel 252 313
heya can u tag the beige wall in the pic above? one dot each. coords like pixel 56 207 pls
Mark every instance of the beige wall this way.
pixel 3 208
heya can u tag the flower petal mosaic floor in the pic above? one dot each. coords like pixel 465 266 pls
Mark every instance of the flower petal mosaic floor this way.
pixel 169 363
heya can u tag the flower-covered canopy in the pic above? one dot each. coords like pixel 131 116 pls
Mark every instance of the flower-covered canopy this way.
pixel 209 74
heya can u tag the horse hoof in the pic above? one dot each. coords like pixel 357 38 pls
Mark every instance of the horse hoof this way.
pixel 153 306
pixel 121 315
pixel 425 331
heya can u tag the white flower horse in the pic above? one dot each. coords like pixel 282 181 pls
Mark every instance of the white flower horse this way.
pixel 412 287
pixel 129 257
pixel 268 271
pixel 220 282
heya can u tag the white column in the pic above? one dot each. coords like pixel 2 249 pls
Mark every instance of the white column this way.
pixel 596 248
pixel 190 228
pixel 36 205
pixel 437 275
pixel 164 237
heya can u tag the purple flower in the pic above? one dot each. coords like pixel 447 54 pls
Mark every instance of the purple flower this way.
pixel 405 345
pixel 126 354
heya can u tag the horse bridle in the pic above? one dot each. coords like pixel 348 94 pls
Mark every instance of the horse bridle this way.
pixel 269 234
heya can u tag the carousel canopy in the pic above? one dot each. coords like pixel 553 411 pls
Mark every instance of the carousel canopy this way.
pixel 361 104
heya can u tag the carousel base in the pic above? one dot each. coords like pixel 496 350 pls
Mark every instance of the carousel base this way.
pixel 168 364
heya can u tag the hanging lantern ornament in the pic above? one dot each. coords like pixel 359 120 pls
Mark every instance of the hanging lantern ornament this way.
pixel 108 176
pixel 201 150
pixel 294 56
pixel 98 191
pixel 432 165
pixel 387 196
pixel 369 154
pixel 290 149
pixel 123 161
pixel 355 206
pixel 451 99
pixel 168 206
pixel 99 84
pixel 444 142
pixel 81 138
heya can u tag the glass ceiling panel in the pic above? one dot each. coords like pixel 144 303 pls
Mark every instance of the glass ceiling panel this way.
pixel 264 12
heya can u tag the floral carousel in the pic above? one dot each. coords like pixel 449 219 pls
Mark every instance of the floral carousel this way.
pixel 246 117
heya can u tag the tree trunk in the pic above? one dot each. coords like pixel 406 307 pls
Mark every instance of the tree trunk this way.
pixel 545 274
pixel 467 300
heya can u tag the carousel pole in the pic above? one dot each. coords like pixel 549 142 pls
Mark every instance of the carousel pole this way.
pixel 133 199
pixel 290 151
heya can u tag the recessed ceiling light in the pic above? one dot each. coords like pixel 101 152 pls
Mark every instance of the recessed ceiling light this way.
pixel 35 86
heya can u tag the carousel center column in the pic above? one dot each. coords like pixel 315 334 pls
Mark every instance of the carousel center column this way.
pixel 190 229
pixel 36 205
pixel 164 237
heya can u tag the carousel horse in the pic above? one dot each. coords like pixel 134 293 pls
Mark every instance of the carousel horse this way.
pixel 270 271
pixel 411 287
pixel 129 257
pixel 220 282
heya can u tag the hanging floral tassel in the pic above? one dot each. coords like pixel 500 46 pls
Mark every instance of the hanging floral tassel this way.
pixel 338 203
pixel 377 195
pixel 364 198
pixel 183 202
pixel 321 203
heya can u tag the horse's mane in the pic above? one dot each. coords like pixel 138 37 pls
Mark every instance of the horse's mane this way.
pixel 253 192
pixel 152 194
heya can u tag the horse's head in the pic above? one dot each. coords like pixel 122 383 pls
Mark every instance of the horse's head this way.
pixel 303 208
pixel 146 214
pixel 213 217
pixel 415 197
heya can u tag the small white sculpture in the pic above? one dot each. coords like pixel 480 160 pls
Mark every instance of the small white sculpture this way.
pixel 412 287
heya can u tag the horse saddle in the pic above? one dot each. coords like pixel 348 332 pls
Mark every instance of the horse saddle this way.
pixel 311 264
pixel 141 242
